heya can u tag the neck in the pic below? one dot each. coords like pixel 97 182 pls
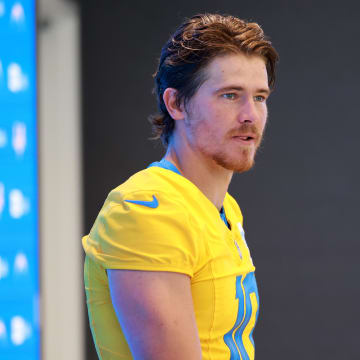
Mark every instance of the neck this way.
pixel 212 179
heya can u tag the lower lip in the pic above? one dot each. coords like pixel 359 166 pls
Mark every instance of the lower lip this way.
pixel 244 142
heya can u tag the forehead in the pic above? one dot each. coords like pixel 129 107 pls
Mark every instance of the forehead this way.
pixel 237 69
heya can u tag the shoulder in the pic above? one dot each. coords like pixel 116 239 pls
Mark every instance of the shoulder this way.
pixel 148 182
pixel 144 224
pixel 147 199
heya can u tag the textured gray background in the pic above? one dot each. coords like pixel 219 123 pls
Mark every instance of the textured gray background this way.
pixel 300 202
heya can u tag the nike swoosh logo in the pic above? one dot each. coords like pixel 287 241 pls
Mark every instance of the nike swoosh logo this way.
pixel 151 204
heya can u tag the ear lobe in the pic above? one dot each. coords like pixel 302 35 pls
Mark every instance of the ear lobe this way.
pixel 175 111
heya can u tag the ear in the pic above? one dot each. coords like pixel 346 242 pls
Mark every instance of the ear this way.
pixel 175 111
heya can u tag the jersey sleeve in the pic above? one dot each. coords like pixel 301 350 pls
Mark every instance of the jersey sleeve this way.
pixel 153 234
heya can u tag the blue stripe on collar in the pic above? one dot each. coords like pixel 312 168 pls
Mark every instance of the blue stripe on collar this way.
pixel 165 164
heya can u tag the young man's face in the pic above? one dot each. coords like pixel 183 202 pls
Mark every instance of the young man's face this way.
pixel 226 117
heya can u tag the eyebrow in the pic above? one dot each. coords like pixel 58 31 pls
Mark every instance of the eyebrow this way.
pixel 266 91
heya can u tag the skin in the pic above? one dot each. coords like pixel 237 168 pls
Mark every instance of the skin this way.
pixel 156 313
pixel 155 309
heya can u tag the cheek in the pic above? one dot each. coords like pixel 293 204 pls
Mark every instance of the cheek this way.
pixel 210 121
pixel 263 118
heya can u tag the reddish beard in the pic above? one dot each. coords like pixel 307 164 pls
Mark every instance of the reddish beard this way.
pixel 245 161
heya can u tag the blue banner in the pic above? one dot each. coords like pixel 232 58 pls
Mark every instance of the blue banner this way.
pixel 19 234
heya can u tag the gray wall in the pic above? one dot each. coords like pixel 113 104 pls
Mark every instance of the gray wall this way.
pixel 61 286
pixel 300 202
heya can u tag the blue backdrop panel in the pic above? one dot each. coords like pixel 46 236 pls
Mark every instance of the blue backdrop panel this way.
pixel 19 238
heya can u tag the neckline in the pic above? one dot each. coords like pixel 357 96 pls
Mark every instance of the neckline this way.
pixel 166 164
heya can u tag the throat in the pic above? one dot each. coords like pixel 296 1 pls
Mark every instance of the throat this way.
pixel 212 179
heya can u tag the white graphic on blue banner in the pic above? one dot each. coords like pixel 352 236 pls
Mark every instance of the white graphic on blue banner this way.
pixel 19 138
pixel 17 80
pixel 20 330
pixel 17 13
pixel 19 205
pixel 21 264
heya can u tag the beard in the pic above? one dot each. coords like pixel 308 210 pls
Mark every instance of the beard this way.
pixel 245 159
pixel 242 163
pixel 239 161
pixel 224 155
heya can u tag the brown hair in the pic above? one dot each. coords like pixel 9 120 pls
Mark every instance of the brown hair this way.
pixel 193 45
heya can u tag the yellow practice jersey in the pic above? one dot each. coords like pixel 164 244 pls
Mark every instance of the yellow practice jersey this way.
pixel 159 221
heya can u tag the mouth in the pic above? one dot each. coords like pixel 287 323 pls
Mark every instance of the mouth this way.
pixel 245 139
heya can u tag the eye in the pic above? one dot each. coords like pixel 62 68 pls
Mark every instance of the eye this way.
pixel 229 96
pixel 259 98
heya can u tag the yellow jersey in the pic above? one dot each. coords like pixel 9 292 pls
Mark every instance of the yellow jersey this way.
pixel 160 221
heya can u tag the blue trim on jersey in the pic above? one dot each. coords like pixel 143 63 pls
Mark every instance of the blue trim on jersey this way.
pixel 166 164
pixel 223 217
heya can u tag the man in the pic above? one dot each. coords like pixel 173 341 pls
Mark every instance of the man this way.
pixel 168 274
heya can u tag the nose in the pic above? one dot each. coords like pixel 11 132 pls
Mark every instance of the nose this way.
pixel 248 113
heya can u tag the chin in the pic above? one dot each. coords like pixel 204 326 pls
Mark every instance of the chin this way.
pixel 243 166
pixel 238 164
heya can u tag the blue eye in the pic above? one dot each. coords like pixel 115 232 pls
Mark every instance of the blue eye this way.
pixel 259 98
pixel 229 96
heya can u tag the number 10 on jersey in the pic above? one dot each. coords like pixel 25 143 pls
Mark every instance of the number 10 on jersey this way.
pixel 239 339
